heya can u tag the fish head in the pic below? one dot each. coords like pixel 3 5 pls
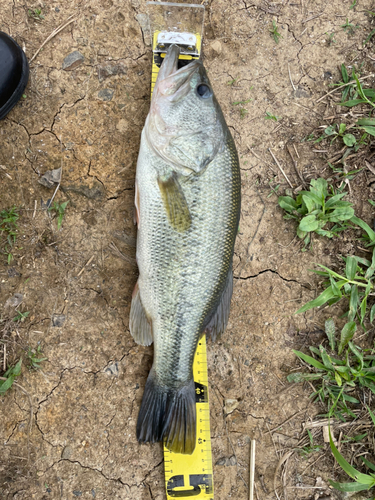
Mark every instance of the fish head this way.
pixel 185 125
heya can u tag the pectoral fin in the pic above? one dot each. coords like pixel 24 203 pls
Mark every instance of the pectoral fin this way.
pixel 175 203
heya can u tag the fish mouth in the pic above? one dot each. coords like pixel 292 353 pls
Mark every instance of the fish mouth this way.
pixel 174 83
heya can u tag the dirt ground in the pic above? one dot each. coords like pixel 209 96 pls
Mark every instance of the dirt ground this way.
pixel 87 119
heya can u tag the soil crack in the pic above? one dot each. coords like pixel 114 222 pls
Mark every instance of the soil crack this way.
pixel 268 271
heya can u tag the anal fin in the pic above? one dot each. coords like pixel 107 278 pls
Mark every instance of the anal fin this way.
pixel 139 324
pixel 217 323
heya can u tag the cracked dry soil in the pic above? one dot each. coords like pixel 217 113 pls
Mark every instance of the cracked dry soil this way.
pixel 88 118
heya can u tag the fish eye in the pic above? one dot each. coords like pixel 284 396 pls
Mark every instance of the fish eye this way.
pixel 204 91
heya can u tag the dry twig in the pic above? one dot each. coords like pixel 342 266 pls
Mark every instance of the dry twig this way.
pixel 295 166
pixel 280 167
pixel 290 78
pixel 53 34
pixel 252 469
pixel 87 263
pixel 344 85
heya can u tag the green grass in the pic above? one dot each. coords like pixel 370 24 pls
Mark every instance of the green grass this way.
pixel 232 82
pixel 242 103
pixel 336 371
pixel 361 96
pixel 35 357
pixel 243 113
pixel 371 34
pixel 8 231
pixel 338 130
pixel 36 14
pixel 348 27
pixel 330 38
pixel 21 316
pixel 6 381
pixel 59 209
pixel 273 190
pixel 270 116
pixel 354 285
pixel 306 451
pixel 362 482
pixel 353 94
pixel 274 32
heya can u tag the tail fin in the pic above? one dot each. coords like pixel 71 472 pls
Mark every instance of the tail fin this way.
pixel 170 414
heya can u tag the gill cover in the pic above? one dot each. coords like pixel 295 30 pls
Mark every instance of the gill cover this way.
pixel 185 124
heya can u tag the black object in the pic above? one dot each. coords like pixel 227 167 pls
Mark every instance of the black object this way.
pixel 14 73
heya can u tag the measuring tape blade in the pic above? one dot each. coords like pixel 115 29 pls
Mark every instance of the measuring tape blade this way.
pixel 190 475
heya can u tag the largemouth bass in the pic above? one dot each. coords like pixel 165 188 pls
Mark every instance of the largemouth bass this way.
pixel 187 210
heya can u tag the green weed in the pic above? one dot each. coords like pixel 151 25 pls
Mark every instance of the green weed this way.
pixel 371 34
pixel 348 90
pixel 362 482
pixel 310 448
pixel 341 174
pixel 315 208
pixel 337 372
pixel 236 103
pixel 59 208
pixel 243 113
pixel 274 32
pixel 36 14
pixel 232 82
pixel 309 137
pixel 334 131
pixel 8 230
pixel 366 96
pixel 35 357
pixel 7 380
pixel 354 284
pixel 348 27
pixel 270 116
pixel 273 190
pixel 330 38
pixel 21 316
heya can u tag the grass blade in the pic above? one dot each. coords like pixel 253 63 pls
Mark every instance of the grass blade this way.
pixel 349 487
pixel 368 464
pixel 310 360
pixel 347 334
pixel 372 313
pixel 330 330
pixel 363 479
pixel 351 267
pixel 362 224
pixel 353 303
pixel 319 301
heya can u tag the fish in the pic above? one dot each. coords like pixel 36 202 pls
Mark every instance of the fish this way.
pixel 187 209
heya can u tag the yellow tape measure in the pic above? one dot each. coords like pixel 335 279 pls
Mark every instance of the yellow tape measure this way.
pixel 190 475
